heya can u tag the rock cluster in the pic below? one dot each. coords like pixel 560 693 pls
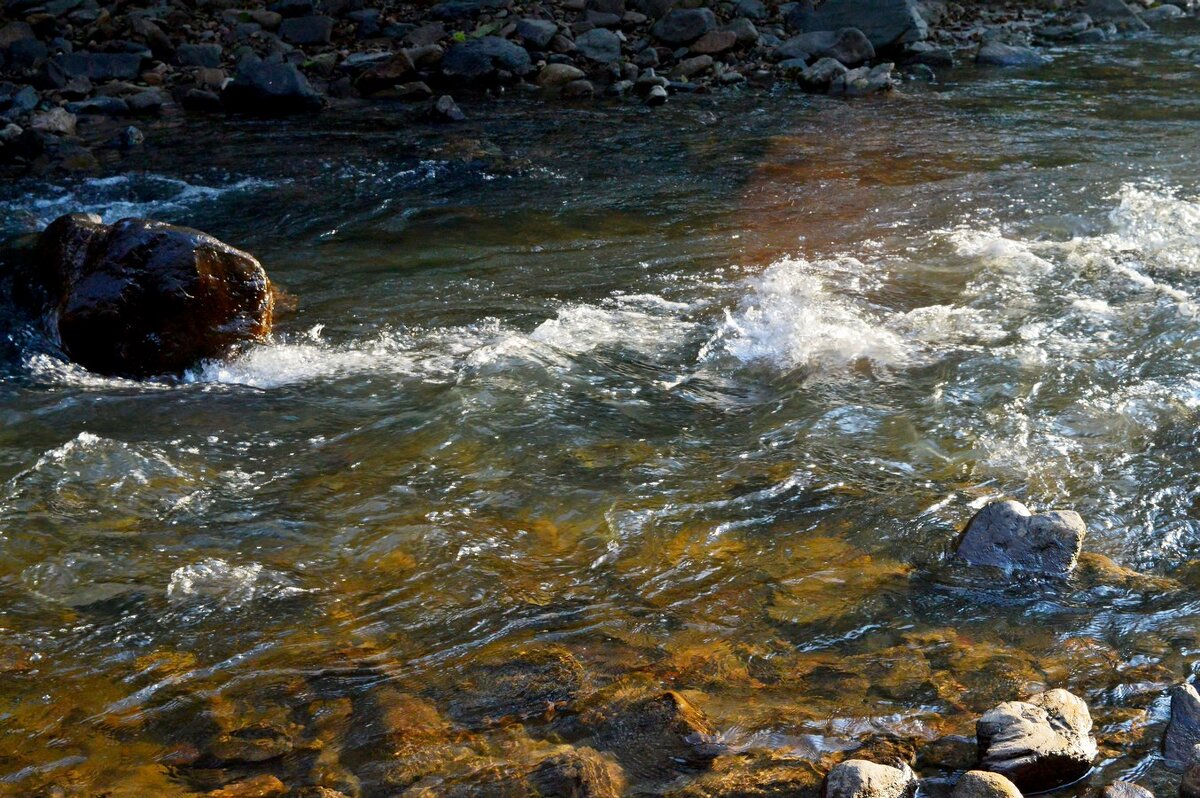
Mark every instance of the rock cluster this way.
pixel 76 70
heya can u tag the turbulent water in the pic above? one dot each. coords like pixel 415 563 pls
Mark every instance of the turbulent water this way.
pixel 699 397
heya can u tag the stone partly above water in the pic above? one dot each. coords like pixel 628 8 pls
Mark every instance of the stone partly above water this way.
pixel 140 298
pixel 982 784
pixel 1006 535
pixel 858 778
pixel 1038 744
pixel 1183 730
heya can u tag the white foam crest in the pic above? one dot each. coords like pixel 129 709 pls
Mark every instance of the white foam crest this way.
pixel 644 323
pixel 120 197
pixel 790 320
pixel 214 581
pixel 1159 224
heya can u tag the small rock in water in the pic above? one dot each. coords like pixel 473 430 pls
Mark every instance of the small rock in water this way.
pixel 656 735
pixel 1038 744
pixel 1006 535
pixel 1189 787
pixel 1124 789
pixel 858 778
pixel 270 87
pixel 554 76
pixel 139 298
pixel 1006 55
pixel 1183 730
pixel 581 772
pixel 446 109
pixel 981 784
pixel 256 787
pixel 1163 13
pixel 130 138
pixel 656 96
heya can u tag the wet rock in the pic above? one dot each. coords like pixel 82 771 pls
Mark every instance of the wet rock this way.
pixel 1189 785
pixel 1124 789
pixel 257 787
pixel 537 33
pixel 578 89
pixel 696 65
pixel 130 138
pixel 858 778
pixel 657 95
pixel 1183 729
pixel 579 773
pixel 886 23
pixel 820 76
pixel 599 45
pixel 149 101
pixel 981 784
pixel 446 110
pixel 930 56
pixel 1160 14
pixel 655 735
pixel 863 81
pixel 555 76
pixel 999 54
pixel 307 30
pixel 139 298
pixel 715 42
pixel 763 777
pixel 1038 744
pixel 198 55
pixel 527 684
pixel 58 121
pixel 1006 535
pixel 744 32
pixel 250 745
pixel 270 87
pixel 849 46
pixel 1116 12
pixel 682 26
pixel 484 59
pixel 104 106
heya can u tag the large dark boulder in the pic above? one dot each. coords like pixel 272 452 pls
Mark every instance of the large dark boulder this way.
pixel 139 298
pixel 887 23
pixel 1183 730
pixel 1038 744
pixel 682 26
pixel 271 87
pixel 484 59
pixel 1006 535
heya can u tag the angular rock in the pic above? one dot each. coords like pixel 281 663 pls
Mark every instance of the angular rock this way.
pixel 482 59
pixel 307 30
pixel 821 75
pixel 715 42
pixel 1006 535
pixel 981 784
pixel 1189 785
pixel 1124 789
pixel 743 31
pixel 863 81
pixel 657 95
pixel 696 65
pixel 599 45
pixel 270 87
pixel 858 778
pixel 140 298
pixel 1183 730
pixel 1000 54
pixel 447 110
pixel 682 26
pixel 397 69
pixel 1038 744
pixel 149 101
pixel 848 45
pixel 886 23
pixel 58 121
pixel 537 33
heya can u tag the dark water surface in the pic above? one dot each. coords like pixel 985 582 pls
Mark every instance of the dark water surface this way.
pixel 697 397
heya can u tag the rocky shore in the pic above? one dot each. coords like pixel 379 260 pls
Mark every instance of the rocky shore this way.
pixel 77 76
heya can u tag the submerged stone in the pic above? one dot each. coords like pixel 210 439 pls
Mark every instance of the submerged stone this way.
pixel 139 297
pixel 657 736
pixel 580 773
pixel 1038 744
pixel 1124 789
pixel 1006 535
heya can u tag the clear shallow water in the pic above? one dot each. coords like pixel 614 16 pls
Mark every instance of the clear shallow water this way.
pixel 699 396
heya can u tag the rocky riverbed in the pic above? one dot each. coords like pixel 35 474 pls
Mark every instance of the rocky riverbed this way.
pixel 81 80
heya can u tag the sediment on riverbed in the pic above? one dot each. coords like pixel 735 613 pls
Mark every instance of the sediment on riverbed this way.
pixel 81 81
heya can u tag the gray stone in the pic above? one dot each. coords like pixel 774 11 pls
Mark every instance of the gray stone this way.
pixel 981 784
pixel 1183 730
pixel 61 69
pixel 537 33
pixel 458 9
pixel 198 55
pixel 1189 785
pixel 744 32
pixel 106 106
pixel 1006 535
pixel 753 9
pixel 715 42
pixel 999 54
pixel 691 67
pixel 1117 12
pixel 554 76
pixel 864 80
pixel 482 59
pixel 682 26
pixel 887 23
pixel 599 45
pixel 446 109
pixel 270 87
pixel 821 75
pixel 656 96
pixel 858 778
pixel 1161 14
pixel 149 101
pixel 1038 744
pixel 306 30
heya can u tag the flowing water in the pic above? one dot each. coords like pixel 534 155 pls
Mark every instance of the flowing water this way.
pixel 692 399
